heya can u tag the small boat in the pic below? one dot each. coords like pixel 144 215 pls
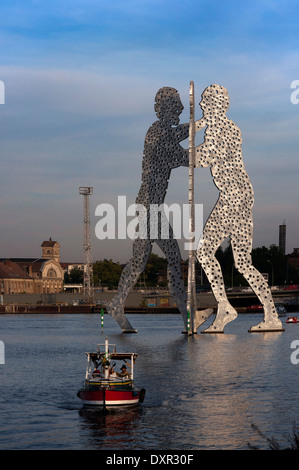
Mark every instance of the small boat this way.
pixel 292 320
pixel 106 388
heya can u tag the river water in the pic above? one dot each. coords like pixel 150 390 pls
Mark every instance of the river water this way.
pixel 202 392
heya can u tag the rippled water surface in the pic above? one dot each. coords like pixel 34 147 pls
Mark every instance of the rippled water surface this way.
pixel 202 392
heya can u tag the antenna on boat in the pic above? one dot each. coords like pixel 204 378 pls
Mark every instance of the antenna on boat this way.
pixel 191 291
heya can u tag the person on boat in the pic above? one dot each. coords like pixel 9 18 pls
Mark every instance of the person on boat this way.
pixel 124 372
pixel 162 153
pixel 232 214
pixel 96 372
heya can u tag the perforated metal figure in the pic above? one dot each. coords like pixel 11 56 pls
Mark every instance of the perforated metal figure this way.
pixel 162 153
pixel 232 214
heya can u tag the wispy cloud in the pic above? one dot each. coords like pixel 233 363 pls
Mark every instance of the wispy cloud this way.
pixel 80 82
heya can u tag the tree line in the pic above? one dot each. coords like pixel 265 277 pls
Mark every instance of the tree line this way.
pixel 270 261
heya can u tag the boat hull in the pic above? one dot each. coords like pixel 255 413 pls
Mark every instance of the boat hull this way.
pixel 111 398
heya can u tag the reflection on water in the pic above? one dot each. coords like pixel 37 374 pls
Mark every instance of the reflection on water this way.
pixel 115 429
pixel 202 392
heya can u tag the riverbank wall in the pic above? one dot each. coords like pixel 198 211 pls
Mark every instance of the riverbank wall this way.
pixel 137 302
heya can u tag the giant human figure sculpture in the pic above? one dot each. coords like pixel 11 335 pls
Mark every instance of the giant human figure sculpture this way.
pixel 232 214
pixel 162 153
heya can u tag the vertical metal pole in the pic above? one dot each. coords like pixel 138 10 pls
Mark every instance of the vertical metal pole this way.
pixel 88 291
pixel 107 358
pixel 106 374
pixel 104 400
pixel 189 323
pixel 102 320
pixel 191 292
pixel 132 367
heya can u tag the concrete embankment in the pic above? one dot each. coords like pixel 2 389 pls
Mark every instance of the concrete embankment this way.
pixel 65 309
pixel 137 302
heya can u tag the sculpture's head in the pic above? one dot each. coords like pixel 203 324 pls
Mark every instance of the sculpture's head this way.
pixel 168 106
pixel 214 100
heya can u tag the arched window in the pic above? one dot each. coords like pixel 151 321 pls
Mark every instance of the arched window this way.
pixel 52 272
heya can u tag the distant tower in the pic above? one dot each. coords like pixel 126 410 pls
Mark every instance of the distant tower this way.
pixel 282 238
pixel 88 291
pixel 50 250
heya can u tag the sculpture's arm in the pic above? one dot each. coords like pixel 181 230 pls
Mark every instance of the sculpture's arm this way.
pixel 200 124
pixel 182 131
pixel 183 159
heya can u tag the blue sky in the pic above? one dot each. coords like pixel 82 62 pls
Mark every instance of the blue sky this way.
pixel 80 79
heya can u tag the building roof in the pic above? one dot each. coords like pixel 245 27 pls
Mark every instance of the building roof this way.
pixel 50 243
pixel 11 270
pixel 35 263
pixel 21 260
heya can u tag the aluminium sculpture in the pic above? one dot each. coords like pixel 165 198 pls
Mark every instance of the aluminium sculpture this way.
pixel 162 153
pixel 232 213
pixel 231 217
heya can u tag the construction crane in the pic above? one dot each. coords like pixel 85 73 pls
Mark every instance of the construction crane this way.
pixel 88 291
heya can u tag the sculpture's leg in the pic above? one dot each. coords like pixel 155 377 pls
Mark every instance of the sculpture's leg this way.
pixel 243 263
pixel 211 240
pixel 176 285
pixel 201 316
pixel 271 322
pixel 225 312
pixel 131 272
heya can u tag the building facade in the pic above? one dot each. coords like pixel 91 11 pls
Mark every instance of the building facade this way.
pixel 33 275
pixel 293 258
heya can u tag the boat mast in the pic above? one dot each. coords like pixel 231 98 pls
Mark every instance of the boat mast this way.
pixel 106 357
pixel 191 292
pixel 132 367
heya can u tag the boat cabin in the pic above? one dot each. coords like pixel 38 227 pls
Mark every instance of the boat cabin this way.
pixel 106 364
